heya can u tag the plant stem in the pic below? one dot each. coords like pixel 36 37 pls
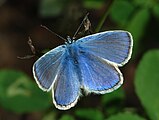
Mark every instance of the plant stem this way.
pixel 102 20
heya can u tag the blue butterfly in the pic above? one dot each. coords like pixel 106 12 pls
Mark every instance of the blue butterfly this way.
pixel 89 63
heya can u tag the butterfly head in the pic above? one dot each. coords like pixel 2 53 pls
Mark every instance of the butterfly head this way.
pixel 69 40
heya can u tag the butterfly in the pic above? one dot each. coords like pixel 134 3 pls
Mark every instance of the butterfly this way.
pixel 89 63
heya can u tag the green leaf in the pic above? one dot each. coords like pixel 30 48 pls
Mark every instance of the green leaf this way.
pixel 147 83
pixel 121 11
pixel 156 10
pixel 93 4
pixel 66 117
pixel 19 94
pixel 113 102
pixel 137 27
pixel 89 114
pixel 50 8
pixel 145 3
pixel 50 116
pixel 116 95
pixel 125 116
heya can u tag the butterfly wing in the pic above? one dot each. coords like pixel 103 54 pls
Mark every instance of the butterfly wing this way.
pixel 98 76
pixel 46 67
pixel 56 70
pixel 114 46
pixel 67 87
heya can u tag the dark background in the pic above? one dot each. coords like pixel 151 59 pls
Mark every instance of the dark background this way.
pixel 22 19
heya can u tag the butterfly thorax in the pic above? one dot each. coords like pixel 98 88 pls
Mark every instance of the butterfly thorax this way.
pixel 72 51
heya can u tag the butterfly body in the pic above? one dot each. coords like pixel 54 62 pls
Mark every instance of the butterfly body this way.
pixel 90 63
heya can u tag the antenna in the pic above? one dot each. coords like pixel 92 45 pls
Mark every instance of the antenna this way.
pixel 80 25
pixel 53 32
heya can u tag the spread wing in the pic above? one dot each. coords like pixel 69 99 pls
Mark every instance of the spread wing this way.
pixel 66 89
pixel 47 67
pixel 56 70
pixel 114 46
pixel 98 76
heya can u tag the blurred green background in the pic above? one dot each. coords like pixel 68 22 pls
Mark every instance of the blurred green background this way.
pixel 20 97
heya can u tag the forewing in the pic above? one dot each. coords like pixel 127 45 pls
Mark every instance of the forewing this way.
pixel 114 46
pixel 98 76
pixel 46 67
pixel 67 87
